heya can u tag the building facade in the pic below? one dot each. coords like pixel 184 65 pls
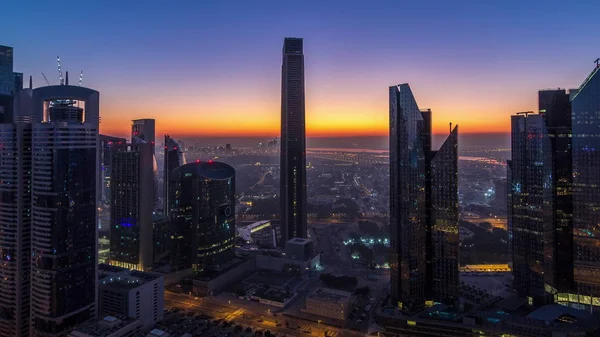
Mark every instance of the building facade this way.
pixel 15 224
pixel 332 303
pixel 63 210
pixel 134 294
pixel 104 170
pixel 143 131
pixel 174 158
pixel 423 207
pixel 540 207
pixel 293 143
pixel 131 230
pixel 7 78
pixel 586 191
pixel 202 208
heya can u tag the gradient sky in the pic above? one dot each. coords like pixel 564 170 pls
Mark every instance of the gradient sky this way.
pixel 212 68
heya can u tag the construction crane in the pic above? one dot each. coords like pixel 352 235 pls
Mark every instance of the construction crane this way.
pixel 46 78
pixel 60 78
pixel 80 78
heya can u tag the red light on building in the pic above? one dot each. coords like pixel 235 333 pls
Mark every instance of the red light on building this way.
pixel 197 161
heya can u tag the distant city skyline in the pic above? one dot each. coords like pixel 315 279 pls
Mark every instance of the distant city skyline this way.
pixel 208 64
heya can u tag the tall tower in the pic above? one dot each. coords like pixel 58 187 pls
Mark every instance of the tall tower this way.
pixel 15 223
pixel 174 158
pixel 586 190
pixel 293 142
pixel 131 228
pixel 540 205
pixel 7 77
pixel 63 211
pixel 423 207
pixel 202 216
pixel 143 131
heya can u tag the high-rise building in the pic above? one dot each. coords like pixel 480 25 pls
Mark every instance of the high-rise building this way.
pixel 7 77
pixel 586 191
pixel 540 206
pixel 64 135
pixel 131 231
pixel 173 159
pixel 202 209
pixel 143 131
pixel 18 82
pixel 293 142
pixel 423 207
pixel 103 173
pixel 15 223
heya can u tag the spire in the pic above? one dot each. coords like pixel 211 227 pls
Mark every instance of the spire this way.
pixel 67 78
pixel 30 82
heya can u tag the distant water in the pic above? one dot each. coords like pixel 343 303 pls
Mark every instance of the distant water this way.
pixel 466 142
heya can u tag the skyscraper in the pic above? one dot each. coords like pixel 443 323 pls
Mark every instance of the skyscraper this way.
pixel 18 86
pixel 104 169
pixel 586 190
pixel 540 205
pixel 15 223
pixel 131 230
pixel 143 131
pixel 7 78
pixel 423 207
pixel 293 142
pixel 173 159
pixel 63 205
pixel 202 208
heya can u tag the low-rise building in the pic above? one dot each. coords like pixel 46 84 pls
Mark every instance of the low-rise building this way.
pixel 134 294
pixel 109 326
pixel 260 233
pixel 330 303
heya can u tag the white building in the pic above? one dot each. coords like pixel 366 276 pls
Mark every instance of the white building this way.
pixel 134 294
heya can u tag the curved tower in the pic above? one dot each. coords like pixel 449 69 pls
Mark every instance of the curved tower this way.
pixel 202 209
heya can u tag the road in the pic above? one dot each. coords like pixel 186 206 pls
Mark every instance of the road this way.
pixel 234 312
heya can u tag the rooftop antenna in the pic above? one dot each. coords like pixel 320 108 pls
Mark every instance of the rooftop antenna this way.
pixel 80 78
pixel 46 78
pixel 67 78
pixel 30 82
pixel 60 78
pixel 450 127
pixel 597 61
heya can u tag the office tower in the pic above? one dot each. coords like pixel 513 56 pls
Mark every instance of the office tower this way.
pixel 131 231
pixel 423 207
pixel 293 142
pixel 104 169
pixel 15 223
pixel 173 159
pixel 143 131
pixel 500 194
pixel 540 205
pixel 63 209
pixel 18 82
pixel 586 190
pixel 160 237
pixel 7 78
pixel 202 203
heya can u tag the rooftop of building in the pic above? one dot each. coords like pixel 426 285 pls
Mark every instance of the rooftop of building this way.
pixel 565 317
pixel 214 170
pixel 330 295
pixel 104 327
pixel 129 280
pixel 299 241
pixel 209 275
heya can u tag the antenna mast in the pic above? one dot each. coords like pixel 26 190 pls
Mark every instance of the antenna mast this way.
pixel 60 78
pixel 597 61
pixel 80 78
pixel 46 78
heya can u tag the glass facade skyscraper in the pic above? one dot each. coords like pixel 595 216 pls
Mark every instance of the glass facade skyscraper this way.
pixel 586 190
pixel 7 78
pixel 293 142
pixel 174 158
pixel 202 211
pixel 423 207
pixel 131 230
pixel 540 202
